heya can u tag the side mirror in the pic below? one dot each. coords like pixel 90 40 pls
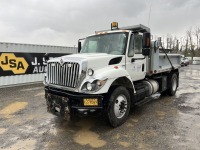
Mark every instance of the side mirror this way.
pixel 146 46
pixel 46 57
pixel 79 46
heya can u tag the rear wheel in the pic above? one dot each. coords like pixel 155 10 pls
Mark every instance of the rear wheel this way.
pixel 173 84
pixel 119 106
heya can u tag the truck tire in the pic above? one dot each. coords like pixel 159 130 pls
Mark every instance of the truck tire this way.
pixel 173 84
pixel 119 106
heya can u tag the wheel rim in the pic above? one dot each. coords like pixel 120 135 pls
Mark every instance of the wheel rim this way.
pixel 120 106
pixel 174 84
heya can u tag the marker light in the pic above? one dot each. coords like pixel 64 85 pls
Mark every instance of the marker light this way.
pixel 114 25
pixel 116 67
pixel 90 72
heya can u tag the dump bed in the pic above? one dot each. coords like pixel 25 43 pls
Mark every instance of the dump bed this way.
pixel 161 62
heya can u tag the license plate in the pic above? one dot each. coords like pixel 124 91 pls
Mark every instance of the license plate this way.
pixel 90 102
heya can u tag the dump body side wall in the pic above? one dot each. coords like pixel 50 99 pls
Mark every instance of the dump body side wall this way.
pixel 159 62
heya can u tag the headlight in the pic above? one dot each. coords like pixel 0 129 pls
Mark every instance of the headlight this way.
pixel 94 86
pixel 90 72
pixel 89 86
pixel 101 82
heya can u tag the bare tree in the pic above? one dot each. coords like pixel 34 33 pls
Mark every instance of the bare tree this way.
pixel 189 45
pixel 186 47
pixel 169 41
pixel 163 41
pixel 189 34
pixel 181 44
pixel 175 45
pixel 197 34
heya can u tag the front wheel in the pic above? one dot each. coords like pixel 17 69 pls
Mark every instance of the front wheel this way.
pixel 119 106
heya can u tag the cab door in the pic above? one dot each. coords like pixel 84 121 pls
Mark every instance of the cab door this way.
pixel 135 61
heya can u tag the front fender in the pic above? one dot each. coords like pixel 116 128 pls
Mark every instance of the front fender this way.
pixel 111 74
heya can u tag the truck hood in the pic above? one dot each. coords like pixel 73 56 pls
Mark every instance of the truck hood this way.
pixel 93 60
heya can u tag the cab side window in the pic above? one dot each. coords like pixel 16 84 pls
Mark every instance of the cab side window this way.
pixel 138 44
pixel 131 47
pixel 135 46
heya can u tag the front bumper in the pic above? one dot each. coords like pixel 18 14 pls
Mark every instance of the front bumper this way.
pixel 63 103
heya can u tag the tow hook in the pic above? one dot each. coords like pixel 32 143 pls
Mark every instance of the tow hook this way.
pixel 48 103
pixel 66 108
pixel 48 107
pixel 66 113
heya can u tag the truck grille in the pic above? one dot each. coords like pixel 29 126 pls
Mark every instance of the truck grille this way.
pixel 65 75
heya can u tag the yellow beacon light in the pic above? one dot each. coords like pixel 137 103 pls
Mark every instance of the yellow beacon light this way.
pixel 114 25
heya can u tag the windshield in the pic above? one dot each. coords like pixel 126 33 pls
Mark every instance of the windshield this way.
pixel 112 43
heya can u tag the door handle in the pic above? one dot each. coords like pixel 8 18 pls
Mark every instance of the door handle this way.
pixel 134 59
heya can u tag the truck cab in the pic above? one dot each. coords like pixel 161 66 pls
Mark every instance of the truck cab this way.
pixel 114 70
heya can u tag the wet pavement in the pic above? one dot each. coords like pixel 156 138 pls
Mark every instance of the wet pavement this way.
pixel 162 123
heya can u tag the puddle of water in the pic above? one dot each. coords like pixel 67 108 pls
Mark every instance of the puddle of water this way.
pixel 124 144
pixel 50 145
pixel 160 114
pixel 13 108
pixel 39 94
pixel 167 101
pixel 116 136
pixel 23 144
pixel 198 125
pixel 187 90
pixel 196 78
pixel 174 112
pixel 44 116
pixel 149 133
pixel 3 130
pixel 176 137
pixel 85 136
pixel 129 125
pixel 192 101
pixel 55 131
pixel 134 120
pixel 28 129
pixel 188 130
pixel 144 146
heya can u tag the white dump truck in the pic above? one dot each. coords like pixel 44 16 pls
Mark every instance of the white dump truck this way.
pixel 114 70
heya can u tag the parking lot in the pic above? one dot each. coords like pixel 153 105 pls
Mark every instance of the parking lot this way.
pixel 162 123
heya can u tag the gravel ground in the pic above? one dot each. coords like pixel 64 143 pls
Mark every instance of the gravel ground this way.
pixel 162 123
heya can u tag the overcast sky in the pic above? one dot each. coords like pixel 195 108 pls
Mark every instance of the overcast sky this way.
pixel 63 22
